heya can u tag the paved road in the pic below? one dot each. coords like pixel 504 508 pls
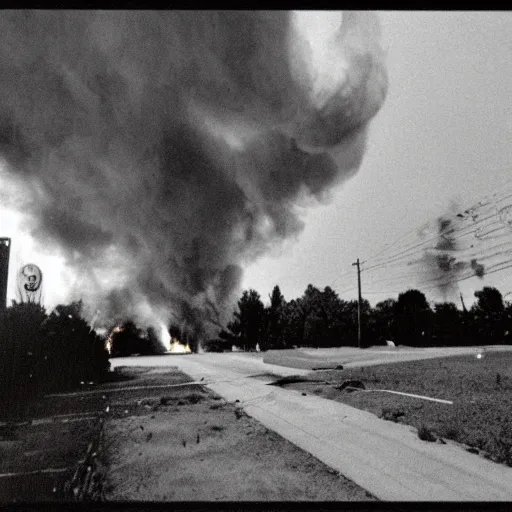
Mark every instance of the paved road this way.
pixel 385 458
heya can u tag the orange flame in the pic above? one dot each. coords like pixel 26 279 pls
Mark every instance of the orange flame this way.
pixel 108 343
pixel 178 348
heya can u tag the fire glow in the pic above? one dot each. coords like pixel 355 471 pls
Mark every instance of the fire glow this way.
pixel 177 347
pixel 173 345
pixel 108 343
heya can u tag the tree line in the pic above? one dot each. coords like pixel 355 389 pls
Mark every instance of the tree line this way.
pixel 321 319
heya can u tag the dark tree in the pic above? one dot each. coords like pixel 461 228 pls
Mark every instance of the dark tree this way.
pixel 490 301
pixel 322 319
pixel 350 327
pixel 229 336
pixel 217 344
pixel 294 322
pixel 273 336
pixel 448 325
pixel 381 325
pixel 73 347
pixel 248 323
pixel 488 317
pixel 413 317
pixel 127 341
pixel 152 345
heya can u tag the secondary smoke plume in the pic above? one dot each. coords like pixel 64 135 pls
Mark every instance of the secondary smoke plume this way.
pixel 163 151
pixel 449 261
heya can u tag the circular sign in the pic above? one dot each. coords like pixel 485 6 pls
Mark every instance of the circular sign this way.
pixel 30 277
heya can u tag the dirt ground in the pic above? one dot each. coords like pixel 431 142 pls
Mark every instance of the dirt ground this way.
pixel 188 444
pixel 41 459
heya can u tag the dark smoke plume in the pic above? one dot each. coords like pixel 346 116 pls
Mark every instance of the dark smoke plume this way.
pixel 447 262
pixel 163 151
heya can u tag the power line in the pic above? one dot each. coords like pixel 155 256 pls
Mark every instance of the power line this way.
pixel 471 229
pixel 442 280
pixel 399 259
pixel 483 225
pixel 404 253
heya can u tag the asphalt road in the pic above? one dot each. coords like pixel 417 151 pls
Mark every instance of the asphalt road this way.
pixel 385 458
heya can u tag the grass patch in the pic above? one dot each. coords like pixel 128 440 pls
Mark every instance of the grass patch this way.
pixel 481 391
pixel 193 398
pixel 391 414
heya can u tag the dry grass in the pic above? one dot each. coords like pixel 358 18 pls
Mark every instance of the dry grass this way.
pixel 481 414
pixel 209 450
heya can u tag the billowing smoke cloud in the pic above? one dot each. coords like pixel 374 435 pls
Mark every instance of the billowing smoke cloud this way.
pixel 163 151
pixel 448 260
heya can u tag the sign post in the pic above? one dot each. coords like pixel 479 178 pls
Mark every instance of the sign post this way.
pixel 5 249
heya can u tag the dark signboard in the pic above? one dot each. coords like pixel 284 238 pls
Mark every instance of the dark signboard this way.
pixel 5 249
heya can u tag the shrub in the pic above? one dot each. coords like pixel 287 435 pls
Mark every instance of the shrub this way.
pixel 454 433
pixel 391 414
pixel 41 353
pixel 425 434
pixel 73 347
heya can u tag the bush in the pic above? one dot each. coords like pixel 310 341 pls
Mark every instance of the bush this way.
pixel 127 340
pixel 40 353
pixel 71 346
pixel 425 434
pixel 391 414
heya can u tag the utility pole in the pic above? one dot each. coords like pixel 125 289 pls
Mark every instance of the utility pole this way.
pixel 359 300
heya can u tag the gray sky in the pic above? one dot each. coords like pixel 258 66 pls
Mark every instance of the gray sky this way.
pixel 443 134
pixel 439 144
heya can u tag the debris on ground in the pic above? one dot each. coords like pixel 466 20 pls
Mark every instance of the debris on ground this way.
pixel 351 385
pixel 426 434
pixel 293 379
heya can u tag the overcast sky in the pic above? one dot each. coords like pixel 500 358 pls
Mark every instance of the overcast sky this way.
pixel 443 134
pixel 442 138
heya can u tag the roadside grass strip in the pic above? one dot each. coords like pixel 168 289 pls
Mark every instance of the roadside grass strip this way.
pixel 465 399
